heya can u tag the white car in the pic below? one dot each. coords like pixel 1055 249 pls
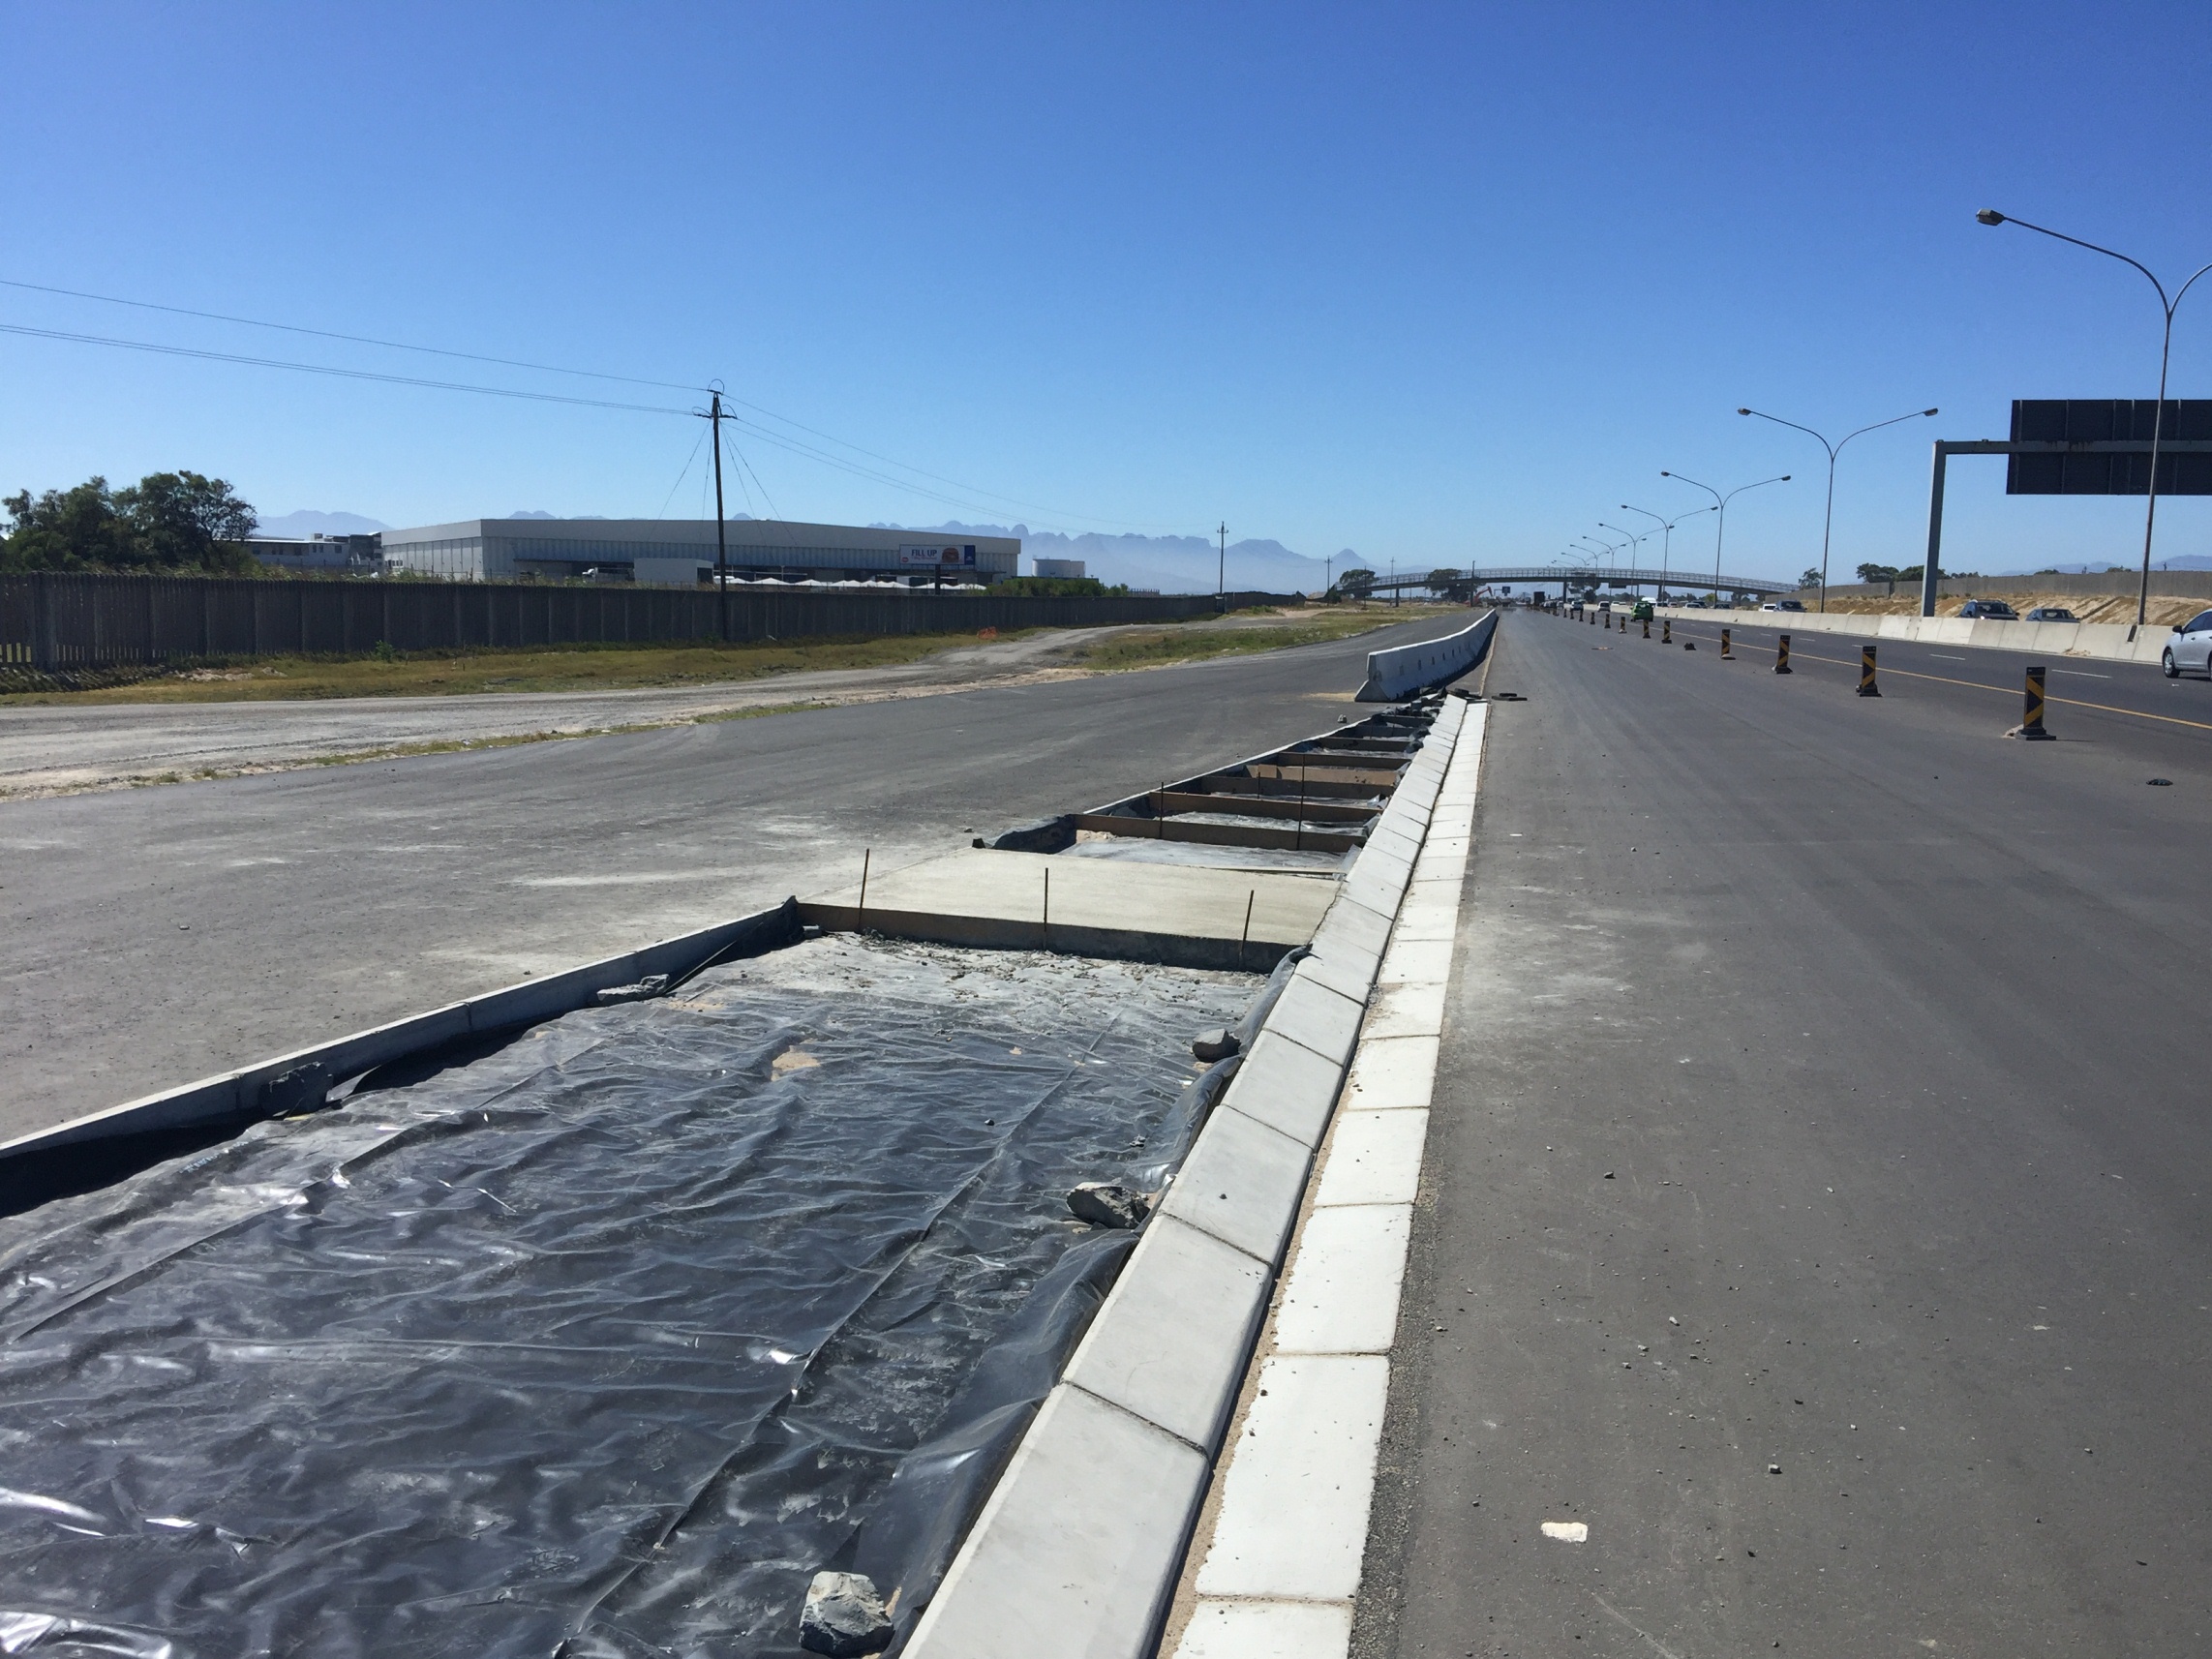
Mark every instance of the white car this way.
pixel 2191 647
pixel 1795 607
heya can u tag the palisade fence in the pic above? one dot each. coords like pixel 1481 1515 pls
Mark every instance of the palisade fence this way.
pixel 56 620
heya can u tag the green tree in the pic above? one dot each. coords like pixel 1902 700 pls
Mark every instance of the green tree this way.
pixel 184 520
pixel 167 520
pixel 1811 577
pixel 1356 581
pixel 66 530
pixel 1872 573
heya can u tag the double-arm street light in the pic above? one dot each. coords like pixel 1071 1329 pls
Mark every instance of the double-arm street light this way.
pixel 1990 216
pixel 1667 540
pixel 1720 506
pixel 1833 450
pixel 1635 541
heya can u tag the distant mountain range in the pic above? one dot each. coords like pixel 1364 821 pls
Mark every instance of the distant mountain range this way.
pixel 1173 564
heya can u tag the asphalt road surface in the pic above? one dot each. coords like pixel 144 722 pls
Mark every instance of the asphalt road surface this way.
pixel 156 935
pixel 1818 1184
pixel 58 748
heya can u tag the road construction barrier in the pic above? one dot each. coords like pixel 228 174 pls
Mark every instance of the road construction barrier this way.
pixel 1646 627
pixel 2031 725
pixel 1782 656
pixel 1403 669
pixel 1666 630
pixel 1726 655
pixel 1866 685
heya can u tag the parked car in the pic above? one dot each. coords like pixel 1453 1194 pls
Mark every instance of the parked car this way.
pixel 2050 614
pixel 1782 605
pixel 1989 610
pixel 2191 647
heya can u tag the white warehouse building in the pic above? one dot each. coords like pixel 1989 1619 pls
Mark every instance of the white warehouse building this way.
pixel 681 551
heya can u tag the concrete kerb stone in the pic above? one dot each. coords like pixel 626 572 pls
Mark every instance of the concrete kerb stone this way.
pixel 1314 1016
pixel 1293 1525
pixel 1407 1010
pixel 1163 1365
pixel 1392 1074
pixel 1286 1086
pixel 1241 1183
pixel 1416 961
pixel 1267 1630
pixel 1171 1340
pixel 1076 1551
pixel 1342 1296
pixel 1347 973
pixel 1351 925
pixel 1375 1157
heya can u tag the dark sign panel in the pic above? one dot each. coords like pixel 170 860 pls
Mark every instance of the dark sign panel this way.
pixel 2098 420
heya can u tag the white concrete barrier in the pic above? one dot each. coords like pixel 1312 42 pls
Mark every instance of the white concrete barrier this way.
pixel 2106 642
pixel 1403 670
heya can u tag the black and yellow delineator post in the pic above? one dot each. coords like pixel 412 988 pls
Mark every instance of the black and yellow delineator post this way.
pixel 1726 655
pixel 1866 685
pixel 2030 719
pixel 1666 630
pixel 1782 657
pixel 1646 627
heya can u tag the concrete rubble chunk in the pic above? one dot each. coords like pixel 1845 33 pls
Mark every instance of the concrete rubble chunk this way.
pixel 1215 1044
pixel 845 1615
pixel 1109 1204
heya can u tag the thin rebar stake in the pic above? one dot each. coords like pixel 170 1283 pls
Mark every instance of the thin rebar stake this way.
pixel 861 921
pixel 1246 937
pixel 1047 923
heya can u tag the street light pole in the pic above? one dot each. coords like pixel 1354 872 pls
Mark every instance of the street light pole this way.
pixel 1720 504
pixel 1666 541
pixel 1833 450
pixel 1221 577
pixel 1634 542
pixel 1990 216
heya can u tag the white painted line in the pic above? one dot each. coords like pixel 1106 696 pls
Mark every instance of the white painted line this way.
pixel 1375 1157
pixel 1293 1514
pixel 1342 1294
pixel 1267 1630
pixel 1392 1074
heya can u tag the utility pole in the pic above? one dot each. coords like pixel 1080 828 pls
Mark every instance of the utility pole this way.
pixel 1221 574
pixel 721 545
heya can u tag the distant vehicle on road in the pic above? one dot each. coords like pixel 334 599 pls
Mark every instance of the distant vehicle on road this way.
pixel 2050 614
pixel 1990 610
pixel 1782 605
pixel 2191 647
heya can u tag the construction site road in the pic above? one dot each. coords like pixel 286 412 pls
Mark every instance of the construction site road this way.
pixel 152 935
pixel 1816 1190
pixel 55 748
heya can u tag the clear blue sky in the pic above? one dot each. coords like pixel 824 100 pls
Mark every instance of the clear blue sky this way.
pixel 1439 283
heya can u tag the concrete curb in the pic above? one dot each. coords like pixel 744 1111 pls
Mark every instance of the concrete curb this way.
pixel 299 1080
pixel 2104 641
pixel 1066 1557
pixel 1280 1548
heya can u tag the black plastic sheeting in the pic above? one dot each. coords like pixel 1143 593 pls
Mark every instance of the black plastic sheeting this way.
pixel 600 1345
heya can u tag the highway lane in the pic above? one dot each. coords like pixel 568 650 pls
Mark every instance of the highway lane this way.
pixel 2107 696
pixel 1817 1194
pixel 156 935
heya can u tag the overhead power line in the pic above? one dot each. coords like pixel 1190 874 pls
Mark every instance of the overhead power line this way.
pixel 991 503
